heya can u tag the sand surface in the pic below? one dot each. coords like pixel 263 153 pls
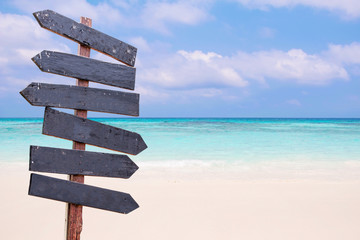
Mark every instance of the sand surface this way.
pixel 175 206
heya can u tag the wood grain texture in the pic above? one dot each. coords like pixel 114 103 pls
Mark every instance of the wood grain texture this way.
pixel 82 98
pixel 87 36
pixel 83 130
pixel 84 68
pixel 73 217
pixel 66 161
pixel 81 194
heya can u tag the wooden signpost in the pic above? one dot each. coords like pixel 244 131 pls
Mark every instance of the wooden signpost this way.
pixel 83 130
pixel 81 194
pixel 82 98
pixel 86 69
pixel 77 162
pixel 86 36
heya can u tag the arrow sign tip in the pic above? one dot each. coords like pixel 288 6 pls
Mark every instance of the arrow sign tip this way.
pixel 37 60
pixel 142 145
pixel 26 93
pixel 43 17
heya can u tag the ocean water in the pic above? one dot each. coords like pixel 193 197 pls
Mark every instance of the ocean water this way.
pixel 204 142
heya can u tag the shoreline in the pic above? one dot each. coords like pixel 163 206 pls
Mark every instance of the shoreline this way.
pixel 346 171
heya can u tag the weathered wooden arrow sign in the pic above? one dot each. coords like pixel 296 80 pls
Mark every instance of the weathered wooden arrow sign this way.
pixel 69 65
pixel 82 98
pixel 73 162
pixel 86 36
pixel 81 194
pixel 83 130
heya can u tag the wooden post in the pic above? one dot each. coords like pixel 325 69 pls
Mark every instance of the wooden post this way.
pixel 77 127
pixel 74 212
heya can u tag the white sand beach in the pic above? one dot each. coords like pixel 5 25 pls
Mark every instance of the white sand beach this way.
pixel 175 206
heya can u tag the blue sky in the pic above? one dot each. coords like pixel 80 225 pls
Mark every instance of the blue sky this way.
pixel 206 58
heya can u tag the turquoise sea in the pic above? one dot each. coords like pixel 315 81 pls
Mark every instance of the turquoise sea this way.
pixel 203 142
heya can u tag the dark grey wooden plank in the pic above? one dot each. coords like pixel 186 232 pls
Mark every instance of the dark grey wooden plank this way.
pixel 82 98
pixel 69 65
pixel 81 194
pixel 87 36
pixel 83 130
pixel 73 162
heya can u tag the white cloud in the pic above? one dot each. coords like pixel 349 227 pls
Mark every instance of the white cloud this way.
pixel 102 57
pixel 294 65
pixel 189 70
pixel 156 15
pixel 140 43
pixel 346 54
pixel 205 92
pixel 348 9
pixel 198 55
pixel 16 82
pixel 149 94
pixel 13 29
pixel 101 13
pixel 206 70
pixel 21 39
pixel 125 4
